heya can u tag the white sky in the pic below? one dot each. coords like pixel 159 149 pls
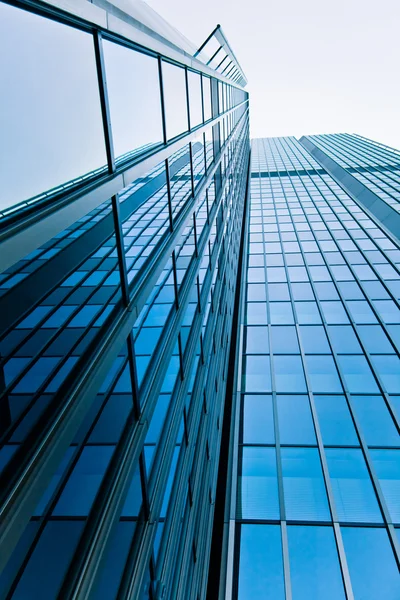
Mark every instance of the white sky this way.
pixel 314 66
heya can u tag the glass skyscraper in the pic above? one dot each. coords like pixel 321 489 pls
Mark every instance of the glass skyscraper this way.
pixel 199 338
pixel 313 478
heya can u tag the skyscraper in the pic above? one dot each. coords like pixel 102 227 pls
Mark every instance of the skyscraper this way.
pixel 199 344
pixel 312 494
pixel 125 154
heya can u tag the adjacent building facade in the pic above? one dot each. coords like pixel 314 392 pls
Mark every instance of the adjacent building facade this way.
pixel 199 341
pixel 313 480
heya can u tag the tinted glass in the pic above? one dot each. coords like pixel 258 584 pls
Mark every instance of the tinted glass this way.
pixel 371 563
pixel 335 421
pixel 136 113
pixel 260 563
pixel 314 564
pixel 51 123
pixel 174 83
pixel 195 105
pixel 295 420
pixel 258 421
pixel 257 485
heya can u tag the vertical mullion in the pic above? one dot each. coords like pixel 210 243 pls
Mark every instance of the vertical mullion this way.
pixel 120 249
pixel 169 196
pixel 162 99
pixel 105 107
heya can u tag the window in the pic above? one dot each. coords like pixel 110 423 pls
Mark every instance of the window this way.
pixel 284 340
pixel 258 420
pixel 281 313
pixel 257 340
pixel 314 340
pixel 334 313
pixel 357 375
pixel 84 482
pixel 387 467
pixel 303 484
pixel 388 368
pixel 257 374
pixel 307 312
pixel 361 311
pixel 174 83
pixel 53 131
pixel 44 573
pixel 374 339
pixel 260 563
pixel 343 339
pixel 136 120
pixel 206 82
pixel 323 374
pixel 352 488
pixel 258 485
pixel 195 106
pixel 289 376
pixel 376 423
pixel 295 420
pixel 372 566
pixel 256 313
pixel 314 565
pixel 335 421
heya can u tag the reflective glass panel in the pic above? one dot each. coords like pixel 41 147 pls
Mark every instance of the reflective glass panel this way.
pixel 174 83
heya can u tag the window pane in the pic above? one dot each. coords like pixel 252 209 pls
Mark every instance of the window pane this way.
pixel 46 568
pixel 372 566
pixel 388 368
pixel 376 422
pixel 387 467
pixel 303 484
pixel 289 376
pixel 323 374
pixel 195 107
pixel 257 485
pixel 284 340
pixel 257 340
pixel 295 420
pixel 51 125
pixel 206 97
pixel 136 113
pixel 260 563
pixel 357 374
pixel 258 420
pixel 343 339
pixel 174 84
pixel 314 564
pixel 352 488
pixel 257 374
pixel 314 339
pixel 335 421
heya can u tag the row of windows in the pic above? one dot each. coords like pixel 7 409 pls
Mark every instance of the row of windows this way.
pixel 62 132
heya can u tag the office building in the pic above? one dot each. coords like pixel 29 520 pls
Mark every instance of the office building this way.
pixel 199 344
pixel 313 479
pixel 125 155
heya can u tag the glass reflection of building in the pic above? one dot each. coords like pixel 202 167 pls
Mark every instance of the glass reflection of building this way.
pixel 199 363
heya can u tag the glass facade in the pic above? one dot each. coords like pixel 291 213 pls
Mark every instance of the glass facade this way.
pixel 125 165
pixel 313 478
pixel 199 339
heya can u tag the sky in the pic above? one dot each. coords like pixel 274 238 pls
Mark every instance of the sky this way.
pixel 313 66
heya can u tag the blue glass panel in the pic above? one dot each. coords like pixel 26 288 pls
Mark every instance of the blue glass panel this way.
pixel 307 312
pixel 373 571
pixel 84 482
pixel 133 501
pixel 334 313
pixel 174 84
pixel 257 340
pixel 387 468
pixel 295 420
pixel 257 374
pixel 361 312
pixel 375 339
pixel 258 485
pixel 303 484
pixel 170 481
pixel 258 420
pixel 112 419
pixel 314 564
pixel 314 339
pixel 281 313
pixel 260 563
pixel 352 488
pixel 256 313
pixel 357 375
pixel 388 368
pixel 375 420
pixel 335 421
pixel 107 586
pixel 8 574
pixel 46 568
pixel 289 375
pixel 323 374
pixel 343 339
pixel 284 340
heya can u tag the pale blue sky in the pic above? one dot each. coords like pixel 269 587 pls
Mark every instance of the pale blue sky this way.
pixel 314 66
